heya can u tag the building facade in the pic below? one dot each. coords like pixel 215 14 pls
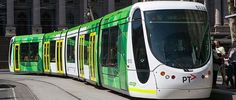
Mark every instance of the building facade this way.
pixel 22 17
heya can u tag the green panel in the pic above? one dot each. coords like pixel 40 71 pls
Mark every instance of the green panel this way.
pixel 115 18
pixel 40 58
pixel 29 67
pixel 28 38
pixel 122 56
pixel 74 28
pixel 52 35
pixel 116 77
pixel 110 77
pixel 91 26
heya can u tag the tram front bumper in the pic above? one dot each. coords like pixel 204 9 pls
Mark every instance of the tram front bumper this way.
pixel 183 94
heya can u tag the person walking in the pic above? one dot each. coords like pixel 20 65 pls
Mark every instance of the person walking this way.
pixel 232 59
pixel 221 53
pixel 216 65
pixel 229 71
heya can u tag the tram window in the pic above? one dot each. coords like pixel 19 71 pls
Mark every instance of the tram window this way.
pixel 10 54
pixel 139 50
pixel 109 46
pixel 86 48
pixel 32 54
pixel 104 45
pixel 71 50
pixel 138 42
pixel 24 56
pixel 52 51
pixel 33 51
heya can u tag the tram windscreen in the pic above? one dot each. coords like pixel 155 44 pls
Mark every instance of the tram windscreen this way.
pixel 179 38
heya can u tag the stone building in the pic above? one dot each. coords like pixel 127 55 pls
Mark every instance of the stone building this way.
pixel 22 17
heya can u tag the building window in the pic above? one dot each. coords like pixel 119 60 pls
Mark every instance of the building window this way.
pixel 70 20
pixel 117 0
pixel 45 1
pixel 21 23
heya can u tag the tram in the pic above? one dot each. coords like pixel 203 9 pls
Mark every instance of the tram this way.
pixel 155 49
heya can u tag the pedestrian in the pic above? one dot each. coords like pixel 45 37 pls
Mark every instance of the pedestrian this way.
pixel 216 65
pixel 232 59
pixel 221 53
pixel 229 72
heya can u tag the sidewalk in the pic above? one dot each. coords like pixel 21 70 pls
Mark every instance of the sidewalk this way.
pixel 222 92
pixel 4 70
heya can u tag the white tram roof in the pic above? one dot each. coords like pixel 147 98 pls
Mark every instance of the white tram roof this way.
pixel 164 5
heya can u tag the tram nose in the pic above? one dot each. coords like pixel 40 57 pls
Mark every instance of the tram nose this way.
pixel 170 78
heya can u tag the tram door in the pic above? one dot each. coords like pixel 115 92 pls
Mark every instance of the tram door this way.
pixel 46 59
pixel 59 56
pixel 17 57
pixel 81 56
pixel 92 56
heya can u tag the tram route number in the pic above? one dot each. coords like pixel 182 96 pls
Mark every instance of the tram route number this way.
pixel 188 78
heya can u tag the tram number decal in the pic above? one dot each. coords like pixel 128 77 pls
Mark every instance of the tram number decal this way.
pixel 188 78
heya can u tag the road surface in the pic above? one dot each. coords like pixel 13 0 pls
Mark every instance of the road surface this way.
pixel 43 87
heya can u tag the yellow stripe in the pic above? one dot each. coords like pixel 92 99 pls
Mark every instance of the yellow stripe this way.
pixel 143 91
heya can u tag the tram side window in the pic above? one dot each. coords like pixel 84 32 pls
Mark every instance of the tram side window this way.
pixel 139 50
pixel 52 51
pixel 10 53
pixel 24 54
pixel 29 52
pixel 140 55
pixel 71 50
pixel 33 51
pixel 86 49
pixel 109 46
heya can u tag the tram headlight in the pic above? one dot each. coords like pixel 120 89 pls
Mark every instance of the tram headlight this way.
pixel 209 73
pixel 167 76
pixel 162 73
pixel 173 76
pixel 205 76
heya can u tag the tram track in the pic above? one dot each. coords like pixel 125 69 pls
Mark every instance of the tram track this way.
pixel 13 85
pixel 19 81
pixel 55 86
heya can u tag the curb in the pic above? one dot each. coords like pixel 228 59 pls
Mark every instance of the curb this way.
pixel 4 70
pixel 219 94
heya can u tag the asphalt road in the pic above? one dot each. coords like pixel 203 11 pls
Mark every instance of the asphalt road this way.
pixel 42 87
pixel 10 90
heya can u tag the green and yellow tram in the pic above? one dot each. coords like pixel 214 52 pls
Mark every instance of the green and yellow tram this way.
pixel 156 49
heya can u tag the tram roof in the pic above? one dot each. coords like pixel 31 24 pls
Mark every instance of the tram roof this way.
pixel 53 35
pixel 28 38
pixel 92 24
pixel 171 5
pixel 117 17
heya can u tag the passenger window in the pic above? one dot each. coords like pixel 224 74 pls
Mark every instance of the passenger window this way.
pixel 52 51
pixel 33 50
pixel 71 50
pixel 139 50
pixel 109 46
pixel 86 48
pixel 24 56
pixel 31 54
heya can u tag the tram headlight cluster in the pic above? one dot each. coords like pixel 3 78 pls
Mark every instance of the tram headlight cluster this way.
pixel 167 76
pixel 207 75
